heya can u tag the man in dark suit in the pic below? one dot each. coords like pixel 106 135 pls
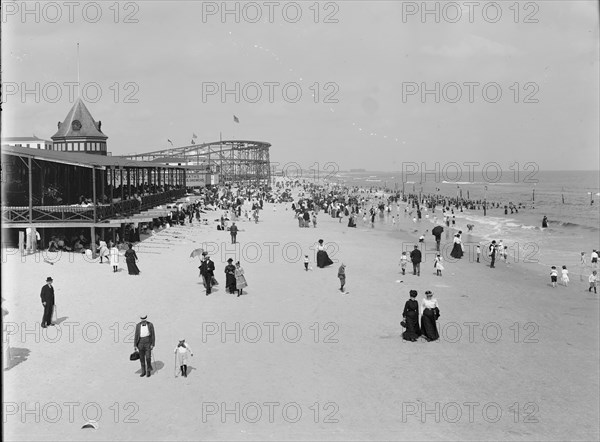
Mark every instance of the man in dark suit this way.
pixel 233 230
pixel 144 343
pixel 415 257
pixel 209 273
pixel 206 280
pixel 47 296
pixel 492 253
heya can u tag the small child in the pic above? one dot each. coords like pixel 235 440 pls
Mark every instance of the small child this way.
pixel 342 276
pixel 403 262
pixel 306 262
pixel 478 252
pixel 565 276
pixel 593 279
pixel 553 275
pixel 181 351
pixel 505 254
pixel 437 264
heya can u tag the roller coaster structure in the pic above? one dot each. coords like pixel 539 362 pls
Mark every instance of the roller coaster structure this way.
pixel 235 161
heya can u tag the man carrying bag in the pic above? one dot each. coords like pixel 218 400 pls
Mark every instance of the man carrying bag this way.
pixel 144 343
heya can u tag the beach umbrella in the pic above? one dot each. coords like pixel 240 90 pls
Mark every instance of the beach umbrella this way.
pixel 437 231
pixel 197 252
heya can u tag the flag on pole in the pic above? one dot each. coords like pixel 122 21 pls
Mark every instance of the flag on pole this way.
pixel 193 141
pixel 236 119
pixel 194 136
pixel 170 141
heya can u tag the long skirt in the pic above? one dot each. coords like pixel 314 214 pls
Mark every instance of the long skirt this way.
pixel 428 325
pixel 457 251
pixel 132 267
pixel 230 283
pixel 240 282
pixel 323 259
pixel 413 331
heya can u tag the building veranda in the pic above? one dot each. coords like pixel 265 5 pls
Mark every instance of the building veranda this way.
pixel 64 193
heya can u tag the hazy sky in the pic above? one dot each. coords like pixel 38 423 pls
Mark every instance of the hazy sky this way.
pixel 374 61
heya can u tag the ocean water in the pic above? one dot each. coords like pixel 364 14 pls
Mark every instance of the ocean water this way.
pixel 563 196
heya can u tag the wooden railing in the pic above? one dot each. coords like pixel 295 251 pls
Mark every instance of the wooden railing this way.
pixel 20 214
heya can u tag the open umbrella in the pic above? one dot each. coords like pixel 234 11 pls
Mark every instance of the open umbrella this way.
pixel 197 252
pixel 437 231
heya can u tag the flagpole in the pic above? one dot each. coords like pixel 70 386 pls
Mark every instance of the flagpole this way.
pixel 78 86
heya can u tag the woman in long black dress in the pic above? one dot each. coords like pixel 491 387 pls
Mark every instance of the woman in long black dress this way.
pixel 130 259
pixel 429 315
pixel 323 259
pixel 230 283
pixel 457 251
pixel 411 318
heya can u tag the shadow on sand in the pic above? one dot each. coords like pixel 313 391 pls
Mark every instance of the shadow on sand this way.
pixel 15 356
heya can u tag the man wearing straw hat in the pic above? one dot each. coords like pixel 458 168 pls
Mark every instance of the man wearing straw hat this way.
pixel 144 344
pixel 47 296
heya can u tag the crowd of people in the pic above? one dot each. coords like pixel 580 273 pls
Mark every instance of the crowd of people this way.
pixel 419 319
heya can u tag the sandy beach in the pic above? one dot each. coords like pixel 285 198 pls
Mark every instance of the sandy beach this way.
pixel 293 358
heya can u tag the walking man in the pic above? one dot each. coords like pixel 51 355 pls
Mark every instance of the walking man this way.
pixel 47 296
pixel 233 230
pixel 207 269
pixel 415 257
pixel 144 344
pixel 492 253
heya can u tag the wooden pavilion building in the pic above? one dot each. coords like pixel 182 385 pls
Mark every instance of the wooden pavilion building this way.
pixel 52 190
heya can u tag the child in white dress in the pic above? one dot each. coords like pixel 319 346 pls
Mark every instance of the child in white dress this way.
pixel 565 276
pixel 437 264
pixel 182 352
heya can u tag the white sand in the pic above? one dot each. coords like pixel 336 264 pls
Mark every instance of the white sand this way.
pixel 372 382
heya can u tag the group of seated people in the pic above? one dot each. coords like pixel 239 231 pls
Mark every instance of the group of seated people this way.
pixel 77 243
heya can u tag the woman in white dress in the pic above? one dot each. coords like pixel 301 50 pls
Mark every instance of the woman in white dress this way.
pixel 103 251
pixel 113 257
pixel 240 279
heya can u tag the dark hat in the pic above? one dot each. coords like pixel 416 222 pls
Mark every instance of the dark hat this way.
pixel 144 317
pixel 320 241
pixel 49 279
pixel 230 260
pixel 204 253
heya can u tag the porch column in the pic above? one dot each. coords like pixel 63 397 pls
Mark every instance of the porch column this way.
pixel 94 202
pixel 30 190
pixel 112 187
